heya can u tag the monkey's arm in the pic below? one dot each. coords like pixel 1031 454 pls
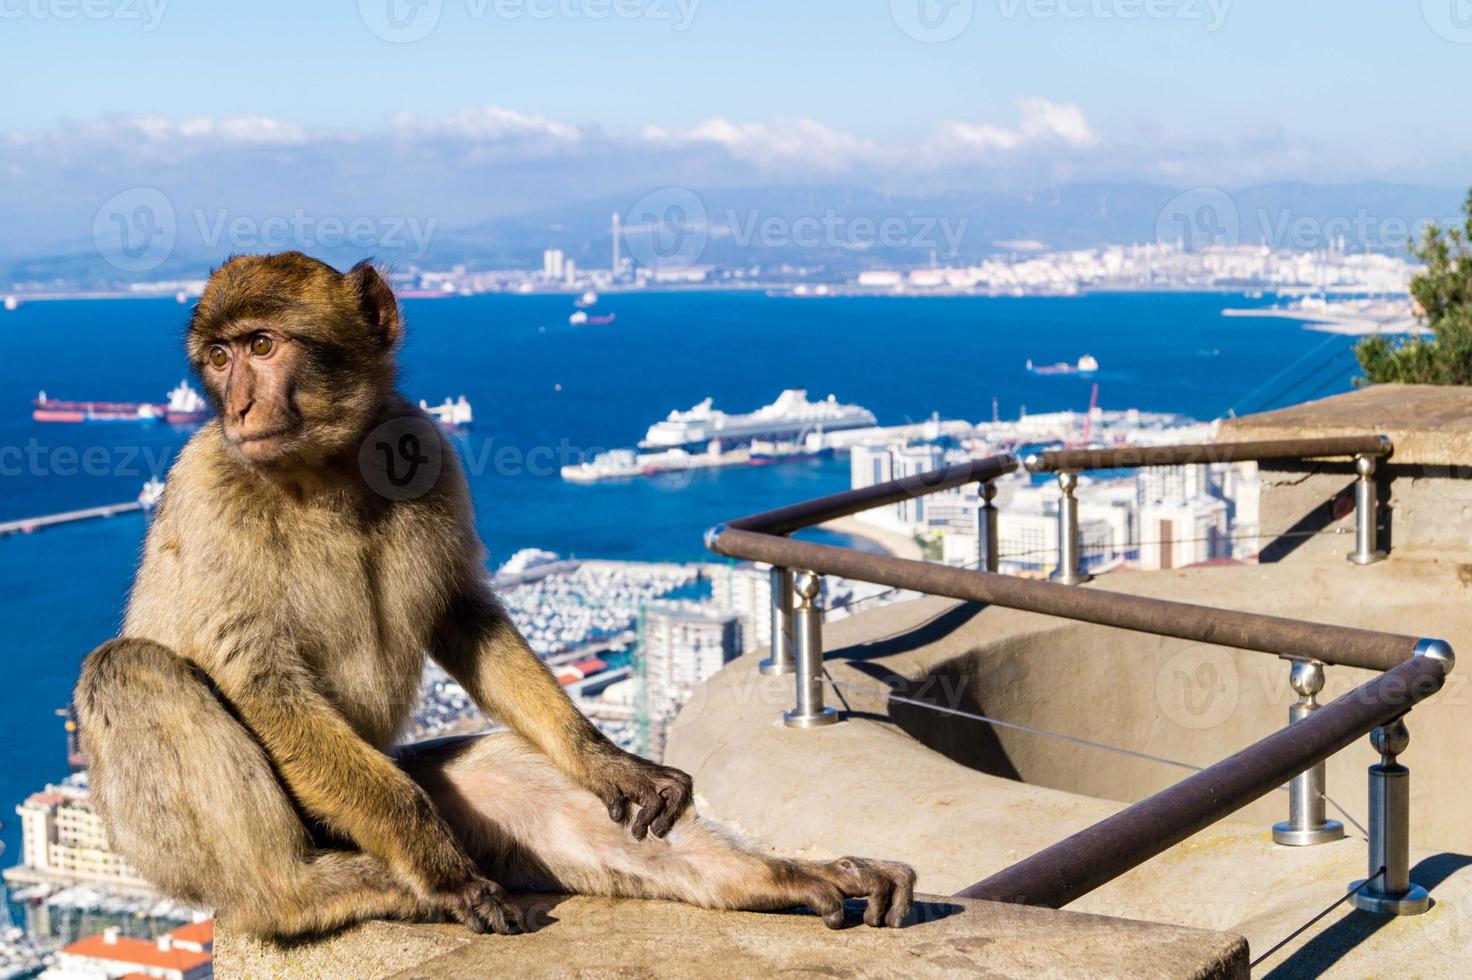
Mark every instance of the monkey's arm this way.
pixel 358 792
pixel 480 647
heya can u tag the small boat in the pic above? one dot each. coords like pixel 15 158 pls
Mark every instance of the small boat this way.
pixel 587 299
pixel 450 415
pixel 581 318
pixel 1085 365
pixel 151 494
pixel 12 303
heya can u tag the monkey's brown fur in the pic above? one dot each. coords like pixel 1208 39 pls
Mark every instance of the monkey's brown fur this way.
pixel 241 731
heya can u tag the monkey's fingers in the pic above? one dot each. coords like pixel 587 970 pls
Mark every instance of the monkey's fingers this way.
pixel 504 919
pixel 676 798
pixel 618 808
pixel 651 804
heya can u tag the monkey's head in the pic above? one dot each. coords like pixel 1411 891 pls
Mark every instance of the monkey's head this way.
pixel 296 356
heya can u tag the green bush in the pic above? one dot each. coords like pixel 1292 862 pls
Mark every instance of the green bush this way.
pixel 1443 294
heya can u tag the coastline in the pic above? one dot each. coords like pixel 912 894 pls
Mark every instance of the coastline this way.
pixel 891 542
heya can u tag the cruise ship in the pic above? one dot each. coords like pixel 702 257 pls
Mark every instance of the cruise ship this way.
pixel 790 417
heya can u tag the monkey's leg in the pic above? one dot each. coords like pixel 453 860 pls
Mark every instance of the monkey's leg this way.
pixel 191 801
pixel 532 828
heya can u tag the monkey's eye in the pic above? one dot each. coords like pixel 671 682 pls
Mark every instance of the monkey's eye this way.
pixel 261 345
pixel 218 356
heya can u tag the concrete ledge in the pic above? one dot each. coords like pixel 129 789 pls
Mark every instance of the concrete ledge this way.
pixel 595 937
pixel 1429 424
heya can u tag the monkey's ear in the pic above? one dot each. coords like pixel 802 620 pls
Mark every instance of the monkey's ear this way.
pixel 376 301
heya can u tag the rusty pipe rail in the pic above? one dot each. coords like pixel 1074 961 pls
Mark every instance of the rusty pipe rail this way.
pixel 1413 669
pixel 1284 637
pixel 1130 457
pixel 1094 856
pixel 785 520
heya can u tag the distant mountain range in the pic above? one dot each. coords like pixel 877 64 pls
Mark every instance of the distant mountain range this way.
pixel 825 230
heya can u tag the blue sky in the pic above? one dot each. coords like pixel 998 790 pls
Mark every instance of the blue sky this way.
pixel 540 100
pixel 1345 71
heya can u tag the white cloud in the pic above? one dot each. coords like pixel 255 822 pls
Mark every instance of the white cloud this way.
pixel 488 124
pixel 1058 126
pixel 784 142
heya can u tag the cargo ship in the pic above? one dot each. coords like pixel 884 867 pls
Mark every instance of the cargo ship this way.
pixel 1085 365
pixel 791 417
pixel 452 416
pixel 185 406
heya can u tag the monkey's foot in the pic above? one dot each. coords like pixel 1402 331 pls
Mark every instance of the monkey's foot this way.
pixel 887 886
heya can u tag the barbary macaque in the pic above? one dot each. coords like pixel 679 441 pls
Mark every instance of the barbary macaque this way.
pixel 315 542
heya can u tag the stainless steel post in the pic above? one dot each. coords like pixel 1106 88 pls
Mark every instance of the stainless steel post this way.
pixel 988 557
pixel 779 658
pixel 808 634
pixel 1070 569
pixel 1390 830
pixel 1306 823
pixel 1366 506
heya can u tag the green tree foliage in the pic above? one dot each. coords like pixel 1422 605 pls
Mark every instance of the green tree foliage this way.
pixel 1443 294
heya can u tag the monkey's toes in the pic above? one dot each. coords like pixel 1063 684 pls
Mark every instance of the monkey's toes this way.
pixel 887 886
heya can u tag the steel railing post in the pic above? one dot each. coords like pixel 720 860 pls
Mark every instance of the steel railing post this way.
pixel 808 636
pixel 988 554
pixel 1070 569
pixel 1390 830
pixel 1306 823
pixel 779 657
pixel 1366 517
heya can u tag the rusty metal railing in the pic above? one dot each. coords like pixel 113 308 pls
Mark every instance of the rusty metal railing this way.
pixel 1414 669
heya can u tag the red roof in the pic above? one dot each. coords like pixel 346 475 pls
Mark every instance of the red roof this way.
pixel 140 952
pixel 590 666
pixel 196 933
pixel 46 799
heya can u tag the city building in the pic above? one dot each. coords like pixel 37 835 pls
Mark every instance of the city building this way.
pixel 63 841
pixel 869 464
pixel 552 264
pixel 746 590
pixel 681 644
pixel 184 954
pixel 1177 533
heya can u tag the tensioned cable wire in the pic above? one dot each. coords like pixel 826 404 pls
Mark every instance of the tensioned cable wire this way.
pixel 974 716
pixel 1283 373
pixel 1300 930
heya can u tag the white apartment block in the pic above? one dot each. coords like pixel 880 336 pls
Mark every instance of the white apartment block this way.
pixel 62 839
pixel 746 590
pixel 552 264
pixel 1177 533
pixel 681 645
pixel 869 465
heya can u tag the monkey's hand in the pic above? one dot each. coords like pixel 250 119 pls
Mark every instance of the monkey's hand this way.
pixel 622 780
pixel 480 905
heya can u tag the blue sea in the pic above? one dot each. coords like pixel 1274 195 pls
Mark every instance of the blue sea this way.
pixel 543 391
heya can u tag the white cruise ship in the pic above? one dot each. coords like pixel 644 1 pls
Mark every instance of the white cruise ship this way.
pixel 790 417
